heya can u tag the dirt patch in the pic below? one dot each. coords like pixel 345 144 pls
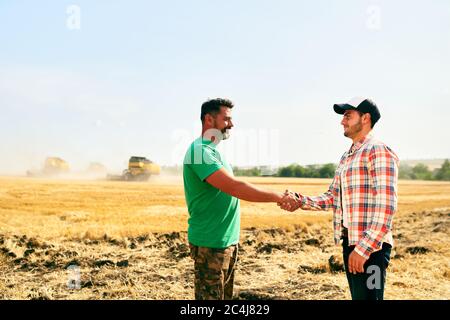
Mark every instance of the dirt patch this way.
pixel 336 263
pixel 269 247
pixel 417 250
pixel 313 270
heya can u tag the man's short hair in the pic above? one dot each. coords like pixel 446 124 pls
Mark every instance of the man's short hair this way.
pixel 213 106
pixel 372 122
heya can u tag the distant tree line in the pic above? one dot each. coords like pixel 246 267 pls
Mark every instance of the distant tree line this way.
pixel 311 171
pixel 251 172
pixel 293 170
pixel 417 172
pixel 422 172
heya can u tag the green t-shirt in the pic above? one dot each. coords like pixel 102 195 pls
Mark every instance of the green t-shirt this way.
pixel 214 216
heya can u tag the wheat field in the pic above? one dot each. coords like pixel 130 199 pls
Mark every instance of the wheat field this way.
pixel 128 241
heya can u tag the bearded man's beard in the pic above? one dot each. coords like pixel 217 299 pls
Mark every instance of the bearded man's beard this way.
pixel 355 129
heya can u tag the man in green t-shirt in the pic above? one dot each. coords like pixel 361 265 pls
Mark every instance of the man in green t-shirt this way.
pixel 212 196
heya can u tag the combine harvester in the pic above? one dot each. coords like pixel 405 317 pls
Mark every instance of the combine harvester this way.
pixel 53 167
pixel 139 169
pixel 95 170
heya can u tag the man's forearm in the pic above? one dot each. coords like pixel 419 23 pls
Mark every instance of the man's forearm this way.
pixel 322 202
pixel 248 192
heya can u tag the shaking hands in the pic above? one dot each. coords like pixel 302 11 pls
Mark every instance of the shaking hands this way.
pixel 290 201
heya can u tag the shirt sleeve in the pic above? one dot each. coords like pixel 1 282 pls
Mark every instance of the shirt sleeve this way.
pixel 324 201
pixel 209 163
pixel 383 168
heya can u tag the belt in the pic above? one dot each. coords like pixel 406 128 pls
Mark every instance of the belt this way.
pixel 344 232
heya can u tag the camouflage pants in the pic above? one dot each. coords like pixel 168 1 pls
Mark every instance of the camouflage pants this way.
pixel 214 272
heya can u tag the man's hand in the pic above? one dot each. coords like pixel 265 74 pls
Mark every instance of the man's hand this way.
pixel 290 202
pixel 356 263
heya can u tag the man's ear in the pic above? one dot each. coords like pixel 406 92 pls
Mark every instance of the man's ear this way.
pixel 209 119
pixel 368 120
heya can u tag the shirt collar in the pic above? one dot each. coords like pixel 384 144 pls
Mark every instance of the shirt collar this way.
pixel 207 142
pixel 356 146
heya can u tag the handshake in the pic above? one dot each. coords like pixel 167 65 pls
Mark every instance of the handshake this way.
pixel 290 201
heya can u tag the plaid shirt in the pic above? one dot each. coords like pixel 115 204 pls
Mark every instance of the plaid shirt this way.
pixel 366 181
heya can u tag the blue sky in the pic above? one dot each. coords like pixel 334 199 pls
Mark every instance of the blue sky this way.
pixel 131 81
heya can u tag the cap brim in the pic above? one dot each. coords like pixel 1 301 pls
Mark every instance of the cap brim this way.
pixel 341 108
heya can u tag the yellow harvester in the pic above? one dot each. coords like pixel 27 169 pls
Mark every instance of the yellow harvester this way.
pixel 140 169
pixel 53 166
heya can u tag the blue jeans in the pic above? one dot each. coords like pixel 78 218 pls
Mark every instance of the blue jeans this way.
pixel 370 284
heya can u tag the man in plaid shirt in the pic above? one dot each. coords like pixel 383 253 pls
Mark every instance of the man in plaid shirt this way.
pixel 363 196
